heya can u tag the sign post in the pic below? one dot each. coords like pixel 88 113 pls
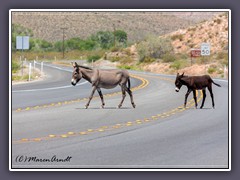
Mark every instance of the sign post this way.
pixel 30 72
pixel 205 51
pixel 195 53
pixel 22 42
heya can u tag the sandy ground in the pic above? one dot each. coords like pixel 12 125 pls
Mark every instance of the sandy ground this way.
pixel 36 74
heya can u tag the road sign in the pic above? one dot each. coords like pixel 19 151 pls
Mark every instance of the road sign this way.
pixel 205 49
pixel 195 52
pixel 22 42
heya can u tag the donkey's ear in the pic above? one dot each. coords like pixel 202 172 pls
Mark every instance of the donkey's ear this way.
pixel 177 74
pixel 182 74
pixel 76 64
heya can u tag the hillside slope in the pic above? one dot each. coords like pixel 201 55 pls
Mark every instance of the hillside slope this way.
pixel 47 25
pixel 213 31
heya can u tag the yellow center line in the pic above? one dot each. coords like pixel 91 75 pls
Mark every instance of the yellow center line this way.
pixel 101 129
pixel 143 84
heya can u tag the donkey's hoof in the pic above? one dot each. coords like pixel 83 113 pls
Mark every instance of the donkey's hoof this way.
pixel 102 107
pixel 134 106
pixel 86 106
pixel 119 106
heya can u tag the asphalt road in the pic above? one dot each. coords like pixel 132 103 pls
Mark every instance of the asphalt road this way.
pixel 159 133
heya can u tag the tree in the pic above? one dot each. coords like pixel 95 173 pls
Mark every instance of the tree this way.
pixel 121 37
pixel 104 38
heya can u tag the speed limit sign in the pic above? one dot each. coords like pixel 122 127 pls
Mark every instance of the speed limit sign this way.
pixel 205 49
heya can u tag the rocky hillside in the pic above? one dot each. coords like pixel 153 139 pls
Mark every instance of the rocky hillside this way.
pixel 47 25
pixel 213 31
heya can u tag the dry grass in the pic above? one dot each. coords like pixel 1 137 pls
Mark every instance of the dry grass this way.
pixel 47 25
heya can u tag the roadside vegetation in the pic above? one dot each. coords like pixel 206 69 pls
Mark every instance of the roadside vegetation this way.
pixel 168 52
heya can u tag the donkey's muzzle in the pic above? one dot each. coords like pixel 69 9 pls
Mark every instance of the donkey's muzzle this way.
pixel 73 82
pixel 177 89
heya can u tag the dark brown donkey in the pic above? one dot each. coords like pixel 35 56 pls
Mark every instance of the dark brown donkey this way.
pixel 194 83
pixel 101 78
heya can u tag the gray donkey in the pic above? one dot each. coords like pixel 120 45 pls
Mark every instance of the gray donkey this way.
pixel 101 78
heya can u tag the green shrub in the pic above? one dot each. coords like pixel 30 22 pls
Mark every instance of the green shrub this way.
pixel 178 64
pixel 115 49
pixel 154 48
pixel 93 58
pixel 148 60
pixel 211 70
pixel 15 66
pixel 121 37
pixel 128 67
pixel 168 57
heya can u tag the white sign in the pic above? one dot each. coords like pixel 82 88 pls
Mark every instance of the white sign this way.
pixel 22 42
pixel 205 49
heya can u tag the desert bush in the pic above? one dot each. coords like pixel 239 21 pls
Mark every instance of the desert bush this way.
pixel 218 21
pixel 168 57
pixel 39 45
pixel 222 55
pixel 15 66
pixel 192 45
pixel 154 48
pixel 211 70
pixel 177 36
pixel 183 56
pixel 129 67
pixel 93 55
pixel 178 64
pixel 93 58
pixel 115 49
pixel 192 29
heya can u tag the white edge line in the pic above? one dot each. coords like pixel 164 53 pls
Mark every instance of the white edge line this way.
pixel 46 89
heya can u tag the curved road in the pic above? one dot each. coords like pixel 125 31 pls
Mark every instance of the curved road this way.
pixel 49 122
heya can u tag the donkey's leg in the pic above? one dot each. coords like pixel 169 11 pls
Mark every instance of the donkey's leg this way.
pixel 211 93
pixel 186 96
pixel 123 96
pixel 131 96
pixel 204 97
pixel 101 96
pixel 195 98
pixel 91 96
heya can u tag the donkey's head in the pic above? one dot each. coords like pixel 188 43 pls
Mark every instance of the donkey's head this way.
pixel 76 74
pixel 178 82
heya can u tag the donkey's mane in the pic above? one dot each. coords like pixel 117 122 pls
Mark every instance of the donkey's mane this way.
pixel 85 67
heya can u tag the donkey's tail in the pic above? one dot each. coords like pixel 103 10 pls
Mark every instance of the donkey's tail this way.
pixel 129 83
pixel 216 84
